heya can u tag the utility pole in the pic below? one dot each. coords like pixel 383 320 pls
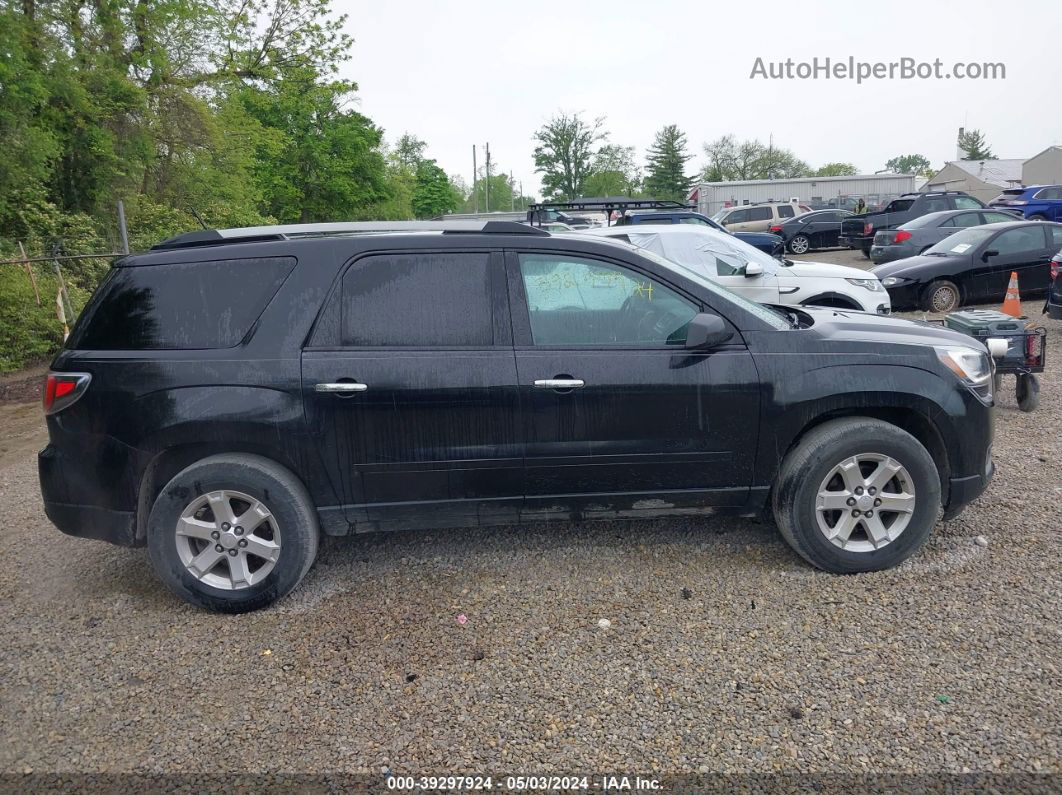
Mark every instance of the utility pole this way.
pixel 475 174
pixel 486 185
pixel 512 193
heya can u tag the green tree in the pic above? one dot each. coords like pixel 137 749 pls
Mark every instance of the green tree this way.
pixel 730 159
pixel 433 194
pixel 615 172
pixel 564 154
pixel 835 170
pixel 665 169
pixel 974 146
pixel 325 162
pixel 910 164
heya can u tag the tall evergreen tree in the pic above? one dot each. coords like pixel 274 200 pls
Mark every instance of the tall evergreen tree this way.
pixel 974 146
pixel 665 171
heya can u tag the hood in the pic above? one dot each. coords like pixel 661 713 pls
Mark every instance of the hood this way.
pixel 762 237
pixel 902 267
pixel 845 325
pixel 823 269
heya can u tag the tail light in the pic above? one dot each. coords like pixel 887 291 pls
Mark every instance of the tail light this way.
pixel 776 230
pixel 62 390
pixel 868 228
pixel 902 236
pixel 1054 269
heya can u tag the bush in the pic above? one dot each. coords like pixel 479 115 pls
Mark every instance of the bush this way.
pixel 27 332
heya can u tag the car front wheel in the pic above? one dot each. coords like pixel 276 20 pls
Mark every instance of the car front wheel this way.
pixel 857 494
pixel 799 244
pixel 232 533
pixel 941 296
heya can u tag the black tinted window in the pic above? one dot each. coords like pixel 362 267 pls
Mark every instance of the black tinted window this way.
pixel 418 300
pixel 785 211
pixel 182 306
pixel 759 214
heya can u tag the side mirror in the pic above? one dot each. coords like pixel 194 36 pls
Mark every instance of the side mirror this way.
pixel 706 331
pixel 989 254
pixel 753 269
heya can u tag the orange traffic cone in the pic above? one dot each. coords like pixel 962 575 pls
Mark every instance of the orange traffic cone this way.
pixel 1012 300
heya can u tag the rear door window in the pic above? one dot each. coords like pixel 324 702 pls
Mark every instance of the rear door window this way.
pixel 422 300
pixel 759 213
pixel 181 306
pixel 966 203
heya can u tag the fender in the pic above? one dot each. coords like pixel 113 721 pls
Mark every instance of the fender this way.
pixel 847 300
pixel 808 398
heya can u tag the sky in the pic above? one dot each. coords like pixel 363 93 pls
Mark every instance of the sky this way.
pixel 461 73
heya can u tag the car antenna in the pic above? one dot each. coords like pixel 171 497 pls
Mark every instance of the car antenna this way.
pixel 198 217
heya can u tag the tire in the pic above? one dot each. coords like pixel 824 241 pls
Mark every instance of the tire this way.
pixel 1027 392
pixel 289 535
pixel 866 252
pixel 1038 217
pixel 805 474
pixel 800 244
pixel 941 296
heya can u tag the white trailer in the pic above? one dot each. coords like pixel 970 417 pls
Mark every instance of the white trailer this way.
pixel 874 189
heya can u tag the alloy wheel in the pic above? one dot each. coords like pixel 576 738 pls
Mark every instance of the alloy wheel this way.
pixel 799 244
pixel 944 299
pixel 865 502
pixel 228 540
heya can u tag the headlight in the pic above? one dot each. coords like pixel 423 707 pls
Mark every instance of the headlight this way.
pixel 870 284
pixel 970 364
pixel 892 281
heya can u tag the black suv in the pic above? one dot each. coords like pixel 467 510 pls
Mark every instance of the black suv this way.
pixel 858 231
pixel 230 395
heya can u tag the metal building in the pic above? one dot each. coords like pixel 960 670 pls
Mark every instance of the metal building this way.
pixel 817 192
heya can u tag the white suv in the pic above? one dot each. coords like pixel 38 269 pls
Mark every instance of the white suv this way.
pixel 749 272
pixel 759 217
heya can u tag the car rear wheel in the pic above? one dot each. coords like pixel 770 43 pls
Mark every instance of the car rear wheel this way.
pixel 1038 217
pixel 941 296
pixel 232 533
pixel 857 494
pixel 799 244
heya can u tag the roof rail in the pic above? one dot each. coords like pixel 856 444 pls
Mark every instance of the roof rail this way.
pixel 253 234
pixel 612 203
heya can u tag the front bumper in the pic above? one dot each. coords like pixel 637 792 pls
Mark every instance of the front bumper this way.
pixel 904 296
pixel 1054 311
pixel 963 491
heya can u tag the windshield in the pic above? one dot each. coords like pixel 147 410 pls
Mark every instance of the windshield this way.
pixel 768 316
pixel 719 215
pixel 961 242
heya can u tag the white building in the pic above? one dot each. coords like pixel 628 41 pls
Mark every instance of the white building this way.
pixel 874 189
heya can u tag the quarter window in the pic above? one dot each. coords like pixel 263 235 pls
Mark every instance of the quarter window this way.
pixel 181 306
pixel 418 300
pixel 966 203
pixel 574 301
pixel 785 211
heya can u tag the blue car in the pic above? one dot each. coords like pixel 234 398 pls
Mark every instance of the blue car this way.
pixel 1036 203
pixel 764 241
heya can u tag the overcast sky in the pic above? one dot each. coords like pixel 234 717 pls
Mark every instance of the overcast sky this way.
pixel 460 73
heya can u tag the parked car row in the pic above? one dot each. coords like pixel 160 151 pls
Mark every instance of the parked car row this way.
pixel 917 236
pixel 754 275
pixel 973 265
pixel 858 231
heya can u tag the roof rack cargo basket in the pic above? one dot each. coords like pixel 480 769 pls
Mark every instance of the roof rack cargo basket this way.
pixel 255 234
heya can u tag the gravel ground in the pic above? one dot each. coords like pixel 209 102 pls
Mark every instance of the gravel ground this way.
pixel 725 652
